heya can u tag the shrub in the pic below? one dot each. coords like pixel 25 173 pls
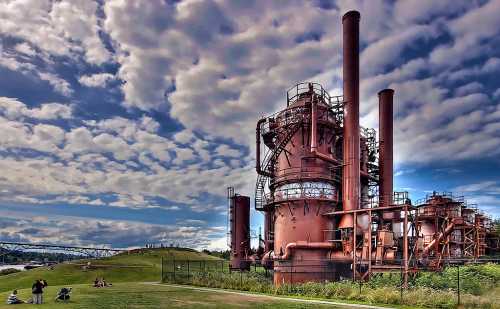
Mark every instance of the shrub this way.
pixel 9 271
pixel 430 290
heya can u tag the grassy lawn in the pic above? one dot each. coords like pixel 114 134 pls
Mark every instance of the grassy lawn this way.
pixel 479 285
pixel 141 296
pixel 136 267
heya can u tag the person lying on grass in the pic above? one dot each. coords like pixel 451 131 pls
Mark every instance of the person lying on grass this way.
pixel 13 300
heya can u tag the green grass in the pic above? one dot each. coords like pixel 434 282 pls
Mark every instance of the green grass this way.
pixel 480 284
pixel 136 267
pixel 142 296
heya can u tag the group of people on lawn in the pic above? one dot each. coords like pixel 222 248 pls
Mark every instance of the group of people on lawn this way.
pixel 36 291
pixel 101 283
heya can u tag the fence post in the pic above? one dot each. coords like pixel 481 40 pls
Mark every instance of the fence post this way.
pixel 401 283
pixel 174 269
pixel 161 280
pixel 458 283
pixel 220 275
pixel 189 271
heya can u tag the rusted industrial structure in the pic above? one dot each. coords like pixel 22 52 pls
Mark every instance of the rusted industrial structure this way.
pixel 449 228
pixel 325 187
pixel 239 230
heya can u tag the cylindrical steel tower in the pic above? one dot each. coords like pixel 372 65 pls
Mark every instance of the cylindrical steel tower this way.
pixel 385 146
pixel 304 185
pixel 239 216
pixel 351 178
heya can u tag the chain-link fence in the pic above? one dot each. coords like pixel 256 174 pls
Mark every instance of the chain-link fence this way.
pixel 212 273
pixel 216 273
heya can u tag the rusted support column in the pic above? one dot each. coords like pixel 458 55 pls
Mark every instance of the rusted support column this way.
pixel 351 178
pixel 268 221
pixel 405 247
pixel 370 244
pixel 354 248
pixel 386 151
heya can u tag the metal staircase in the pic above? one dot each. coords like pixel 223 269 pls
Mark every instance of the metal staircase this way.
pixel 268 164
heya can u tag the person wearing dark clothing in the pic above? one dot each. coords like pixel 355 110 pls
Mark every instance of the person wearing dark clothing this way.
pixel 37 291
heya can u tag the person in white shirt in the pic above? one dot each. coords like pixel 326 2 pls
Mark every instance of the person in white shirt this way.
pixel 13 300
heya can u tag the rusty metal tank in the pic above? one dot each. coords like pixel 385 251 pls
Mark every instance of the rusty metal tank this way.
pixel 305 185
pixel 239 219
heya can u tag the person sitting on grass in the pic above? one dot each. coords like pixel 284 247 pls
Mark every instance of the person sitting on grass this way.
pixel 13 300
pixel 105 283
pixel 63 294
pixel 96 283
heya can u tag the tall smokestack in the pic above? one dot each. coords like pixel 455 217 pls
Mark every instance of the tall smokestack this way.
pixel 351 177
pixel 385 107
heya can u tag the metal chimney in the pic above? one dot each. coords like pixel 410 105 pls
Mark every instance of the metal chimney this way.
pixel 351 177
pixel 385 107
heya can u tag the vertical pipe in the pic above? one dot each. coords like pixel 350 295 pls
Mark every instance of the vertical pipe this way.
pixel 458 284
pixel 314 124
pixel 351 177
pixel 405 247
pixel 385 99
pixel 267 231
pixel 354 249
pixel 370 244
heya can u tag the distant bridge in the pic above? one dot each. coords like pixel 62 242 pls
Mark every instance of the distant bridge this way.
pixel 6 247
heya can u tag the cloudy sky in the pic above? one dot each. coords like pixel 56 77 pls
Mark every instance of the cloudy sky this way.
pixel 123 121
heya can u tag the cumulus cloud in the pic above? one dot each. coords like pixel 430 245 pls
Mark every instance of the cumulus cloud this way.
pixel 378 55
pixel 201 57
pixel 214 68
pixel 122 158
pixel 60 28
pixel 60 85
pixel 25 48
pixel 96 80
pixel 470 33
pixel 13 109
pixel 107 233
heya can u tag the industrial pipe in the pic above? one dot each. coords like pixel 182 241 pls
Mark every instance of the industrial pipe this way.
pixel 385 107
pixel 268 221
pixel 296 245
pixel 351 178
pixel 267 257
pixel 440 237
pixel 314 124
pixel 314 135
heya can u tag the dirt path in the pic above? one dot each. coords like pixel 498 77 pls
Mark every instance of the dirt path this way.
pixel 251 296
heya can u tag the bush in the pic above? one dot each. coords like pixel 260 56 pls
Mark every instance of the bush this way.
pixel 474 279
pixel 8 271
pixel 430 290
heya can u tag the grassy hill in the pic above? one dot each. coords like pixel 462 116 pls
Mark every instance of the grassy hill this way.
pixel 148 296
pixel 138 266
